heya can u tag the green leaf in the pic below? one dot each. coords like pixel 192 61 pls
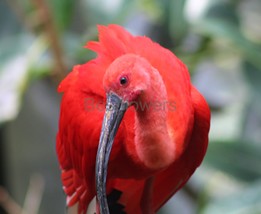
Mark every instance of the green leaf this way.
pixel 253 76
pixel 246 201
pixel 252 114
pixel 23 53
pixel 177 23
pixel 223 10
pixel 153 8
pixel 105 12
pixel 219 28
pixel 241 160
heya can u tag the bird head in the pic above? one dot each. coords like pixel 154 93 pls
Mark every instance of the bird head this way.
pixel 128 77
pixel 125 80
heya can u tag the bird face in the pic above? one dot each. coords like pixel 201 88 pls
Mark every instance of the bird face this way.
pixel 124 81
pixel 128 77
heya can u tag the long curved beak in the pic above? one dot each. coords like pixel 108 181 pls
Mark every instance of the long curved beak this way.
pixel 115 109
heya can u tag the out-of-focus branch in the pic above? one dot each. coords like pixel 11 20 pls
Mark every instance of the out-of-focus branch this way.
pixel 8 203
pixel 34 195
pixel 41 20
pixel 49 29
pixel 32 200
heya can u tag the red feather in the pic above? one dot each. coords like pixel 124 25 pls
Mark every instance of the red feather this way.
pixel 82 110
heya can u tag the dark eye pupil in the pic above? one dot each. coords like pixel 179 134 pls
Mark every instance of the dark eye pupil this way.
pixel 123 80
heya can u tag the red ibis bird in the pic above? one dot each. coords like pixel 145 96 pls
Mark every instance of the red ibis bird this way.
pixel 135 109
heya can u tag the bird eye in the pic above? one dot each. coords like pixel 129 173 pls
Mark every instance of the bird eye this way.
pixel 123 80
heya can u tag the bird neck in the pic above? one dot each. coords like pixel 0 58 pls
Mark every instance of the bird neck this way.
pixel 153 143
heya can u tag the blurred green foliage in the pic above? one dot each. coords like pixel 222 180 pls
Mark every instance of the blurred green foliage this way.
pixel 219 40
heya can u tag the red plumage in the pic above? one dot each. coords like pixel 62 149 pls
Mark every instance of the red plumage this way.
pixel 82 110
